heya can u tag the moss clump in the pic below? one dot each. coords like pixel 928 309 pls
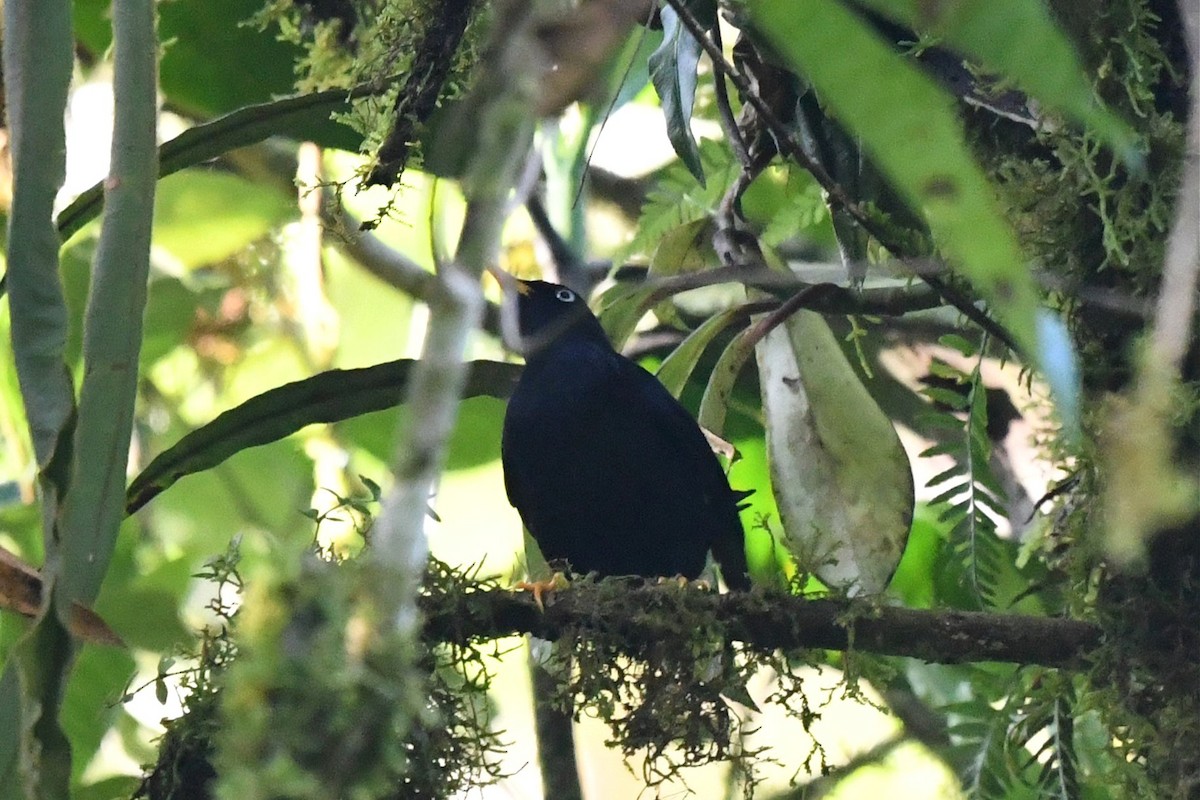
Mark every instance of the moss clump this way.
pixel 296 697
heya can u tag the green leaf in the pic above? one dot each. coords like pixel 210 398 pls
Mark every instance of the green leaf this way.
pixel 88 712
pixel 1019 39
pixel 212 61
pixel 840 476
pixel 92 508
pixel 37 70
pixel 687 248
pixel 673 73
pixel 215 62
pixel 170 314
pixel 910 128
pixel 622 308
pixel 202 216
pixel 298 117
pixel 714 405
pixel 677 367
pixel 329 397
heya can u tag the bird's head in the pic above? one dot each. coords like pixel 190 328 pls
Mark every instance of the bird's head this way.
pixel 548 312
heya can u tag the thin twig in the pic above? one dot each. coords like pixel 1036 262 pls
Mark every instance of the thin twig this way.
pixel 729 125
pixel 831 299
pixel 797 302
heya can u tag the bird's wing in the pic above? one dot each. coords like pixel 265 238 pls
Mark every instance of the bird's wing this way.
pixel 672 421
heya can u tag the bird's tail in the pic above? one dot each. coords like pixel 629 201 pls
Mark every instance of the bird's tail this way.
pixel 730 553
pixel 730 550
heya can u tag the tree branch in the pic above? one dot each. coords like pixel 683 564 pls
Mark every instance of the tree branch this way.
pixel 884 233
pixel 761 619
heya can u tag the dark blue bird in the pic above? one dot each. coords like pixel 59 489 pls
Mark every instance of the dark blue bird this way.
pixel 608 471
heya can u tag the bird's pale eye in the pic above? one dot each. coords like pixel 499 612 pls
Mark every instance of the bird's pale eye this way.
pixel 565 295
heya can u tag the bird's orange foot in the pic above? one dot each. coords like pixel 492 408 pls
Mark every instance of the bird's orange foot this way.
pixel 540 588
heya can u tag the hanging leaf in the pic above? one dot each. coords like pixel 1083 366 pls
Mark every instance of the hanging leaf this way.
pixel 673 72
pixel 714 405
pixel 621 309
pixel 840 476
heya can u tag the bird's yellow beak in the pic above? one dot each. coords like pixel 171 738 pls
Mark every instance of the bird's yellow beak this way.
pixel 523 288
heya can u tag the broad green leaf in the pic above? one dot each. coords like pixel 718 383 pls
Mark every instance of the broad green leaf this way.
pixel 329 397
pixel 297 117
pixel 365 339
pixel 202 216
pixel 212 61
pixel 677 367
pixel 909 127
pixel 99 675
pixel 170 313
pixel 231 499
pixel 840 476
pixel 475 440
pixel 1018 39
pixel 673 73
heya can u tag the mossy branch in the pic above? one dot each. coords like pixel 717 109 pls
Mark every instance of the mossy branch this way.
pixel 762 620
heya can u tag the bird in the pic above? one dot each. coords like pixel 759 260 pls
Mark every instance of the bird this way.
pixel 609 473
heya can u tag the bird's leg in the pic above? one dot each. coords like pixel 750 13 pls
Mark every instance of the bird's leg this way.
pixel 539 588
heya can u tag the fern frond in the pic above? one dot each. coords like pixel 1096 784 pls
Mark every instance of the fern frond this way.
pixel 972 497
pixel 678 198
pixel 1041 738
pixel 977 752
